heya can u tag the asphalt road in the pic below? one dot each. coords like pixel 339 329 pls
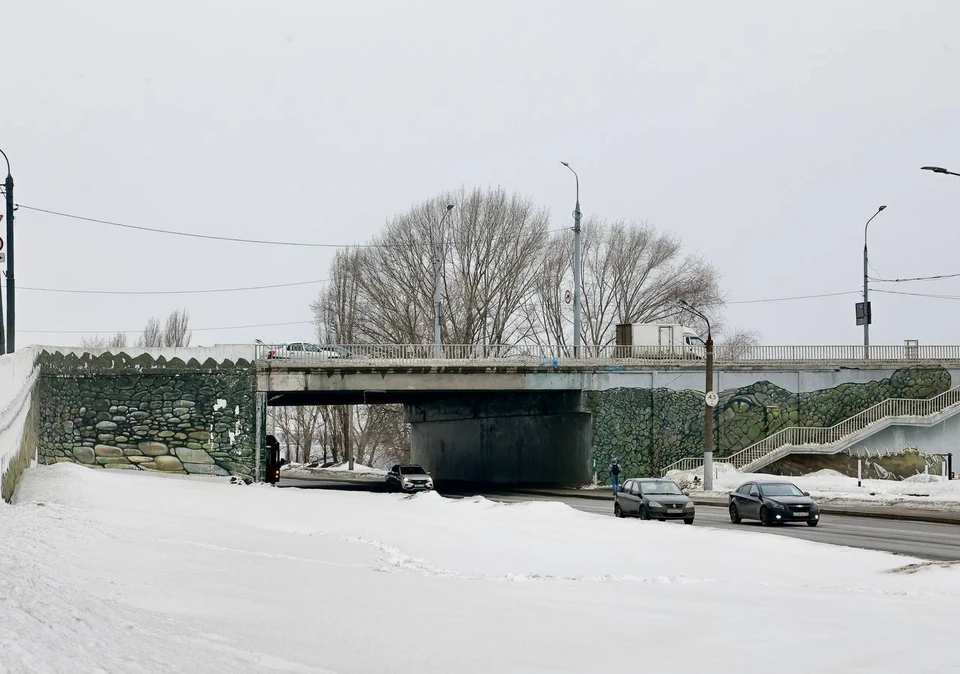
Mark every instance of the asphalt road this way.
pixel 917 539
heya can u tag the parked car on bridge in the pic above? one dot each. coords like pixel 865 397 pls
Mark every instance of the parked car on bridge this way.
pixel 307 350
pixel 773 503
pixel 652 498
pixel 409 478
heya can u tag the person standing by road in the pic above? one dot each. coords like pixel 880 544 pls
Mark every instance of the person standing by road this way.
pixel 615 475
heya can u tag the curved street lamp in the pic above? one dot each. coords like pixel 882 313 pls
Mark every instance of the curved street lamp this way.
pixel 939 169
pixel 707 406
pixel 867 314
pixel 437 267
pixel 576 266
pixel 7 345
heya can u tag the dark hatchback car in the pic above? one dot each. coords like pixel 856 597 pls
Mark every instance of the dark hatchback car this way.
pixel 653 499
pixel 409 478
pixel 773 503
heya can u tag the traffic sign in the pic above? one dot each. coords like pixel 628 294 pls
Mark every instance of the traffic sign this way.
pixel 1 243
pixel 3 258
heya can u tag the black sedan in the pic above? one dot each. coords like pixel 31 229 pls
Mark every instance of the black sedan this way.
pixel 773 503
pixel 652 499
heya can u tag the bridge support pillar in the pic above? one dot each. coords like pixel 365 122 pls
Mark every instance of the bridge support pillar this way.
pixel 542 438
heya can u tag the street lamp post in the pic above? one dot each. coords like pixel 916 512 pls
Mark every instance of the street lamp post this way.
pixel 709 402
pixel 437 267
pixel 11 284
pixel 867 314
pixel 576 266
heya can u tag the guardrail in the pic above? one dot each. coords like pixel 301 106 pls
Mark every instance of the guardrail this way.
pixel 537 353
pixel 810 436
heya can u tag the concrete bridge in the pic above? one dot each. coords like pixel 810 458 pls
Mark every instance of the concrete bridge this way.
pixel 477 414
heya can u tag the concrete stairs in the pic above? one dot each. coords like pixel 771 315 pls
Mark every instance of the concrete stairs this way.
pixel 833 439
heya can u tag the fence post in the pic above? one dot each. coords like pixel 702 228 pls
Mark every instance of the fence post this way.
pixel 859 471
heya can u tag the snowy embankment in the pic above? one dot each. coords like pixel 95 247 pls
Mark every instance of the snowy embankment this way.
pixel 18 374
pixel 133 572
pixel 830 486
pixel 338 471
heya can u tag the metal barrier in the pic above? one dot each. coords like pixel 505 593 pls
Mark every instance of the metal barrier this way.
pixel 824 437
pixel 607 353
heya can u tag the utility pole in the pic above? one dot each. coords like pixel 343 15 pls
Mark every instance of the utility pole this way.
pixel 576 266
pixel 867 314
pixel 437 272
pixel 7 340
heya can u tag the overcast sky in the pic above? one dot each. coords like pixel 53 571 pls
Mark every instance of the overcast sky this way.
pixel 763 134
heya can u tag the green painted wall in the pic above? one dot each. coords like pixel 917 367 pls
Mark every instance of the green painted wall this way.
pixel 151 414
pixel 648 429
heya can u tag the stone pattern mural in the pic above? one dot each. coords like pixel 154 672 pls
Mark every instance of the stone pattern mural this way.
pixel 120 413
pixel 647 429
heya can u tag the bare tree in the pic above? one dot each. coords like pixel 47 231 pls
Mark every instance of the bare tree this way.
pixel 177 329
pixel 118 341
pixel 152 334
pixel 489 248
pixel 631 274
pixel 175 332
pixel 738 345
pixel 299 427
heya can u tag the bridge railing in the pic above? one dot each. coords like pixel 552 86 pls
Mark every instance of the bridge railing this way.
pixel 545 354
pixel 824 436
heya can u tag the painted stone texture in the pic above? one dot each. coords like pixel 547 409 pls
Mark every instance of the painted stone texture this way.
pixel 647 429
pixel 115 412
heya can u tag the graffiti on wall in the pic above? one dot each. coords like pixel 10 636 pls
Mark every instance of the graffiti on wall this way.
pixel 647 429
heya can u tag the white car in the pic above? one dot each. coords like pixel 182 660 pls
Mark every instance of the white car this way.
pixel 306 350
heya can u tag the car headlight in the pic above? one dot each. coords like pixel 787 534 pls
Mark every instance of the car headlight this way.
pixel 654 504
pixel 406 480
pixel 430 484
pixel 688 506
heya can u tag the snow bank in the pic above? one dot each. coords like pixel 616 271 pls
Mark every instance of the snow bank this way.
pixel 830 486
pixel 341 470
pixel 132 572
pixel 18 374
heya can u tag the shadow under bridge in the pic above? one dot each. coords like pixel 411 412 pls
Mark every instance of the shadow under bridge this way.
pixel 466 432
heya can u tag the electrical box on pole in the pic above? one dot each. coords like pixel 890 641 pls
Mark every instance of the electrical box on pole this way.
pixel 864 317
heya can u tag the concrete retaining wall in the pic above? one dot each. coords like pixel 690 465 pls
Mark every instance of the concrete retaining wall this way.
pixel 18 375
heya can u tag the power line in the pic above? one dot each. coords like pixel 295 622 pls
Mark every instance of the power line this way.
pixel 929 295
pixel 916 278
pixel 204 236
pixel 790 299
pixel 232 239
pixel 272 325
pixel 172 292
pixel 230 327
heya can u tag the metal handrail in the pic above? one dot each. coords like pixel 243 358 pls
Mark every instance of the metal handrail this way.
pixel 540 353
pixel 806 436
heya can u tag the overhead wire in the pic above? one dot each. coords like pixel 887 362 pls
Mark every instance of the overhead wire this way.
pixel 938 277
pixel 213 237
pixel 172 292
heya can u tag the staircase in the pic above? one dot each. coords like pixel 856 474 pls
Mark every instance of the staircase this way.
pixel 818 440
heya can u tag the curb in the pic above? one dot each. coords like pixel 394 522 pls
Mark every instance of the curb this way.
pixel 902 514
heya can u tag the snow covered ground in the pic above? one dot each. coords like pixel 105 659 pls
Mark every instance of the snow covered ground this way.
pixel 339 470
pixel 830 486
pixel 133 572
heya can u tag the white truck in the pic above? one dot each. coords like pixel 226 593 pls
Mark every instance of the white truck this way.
pixel 658 340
